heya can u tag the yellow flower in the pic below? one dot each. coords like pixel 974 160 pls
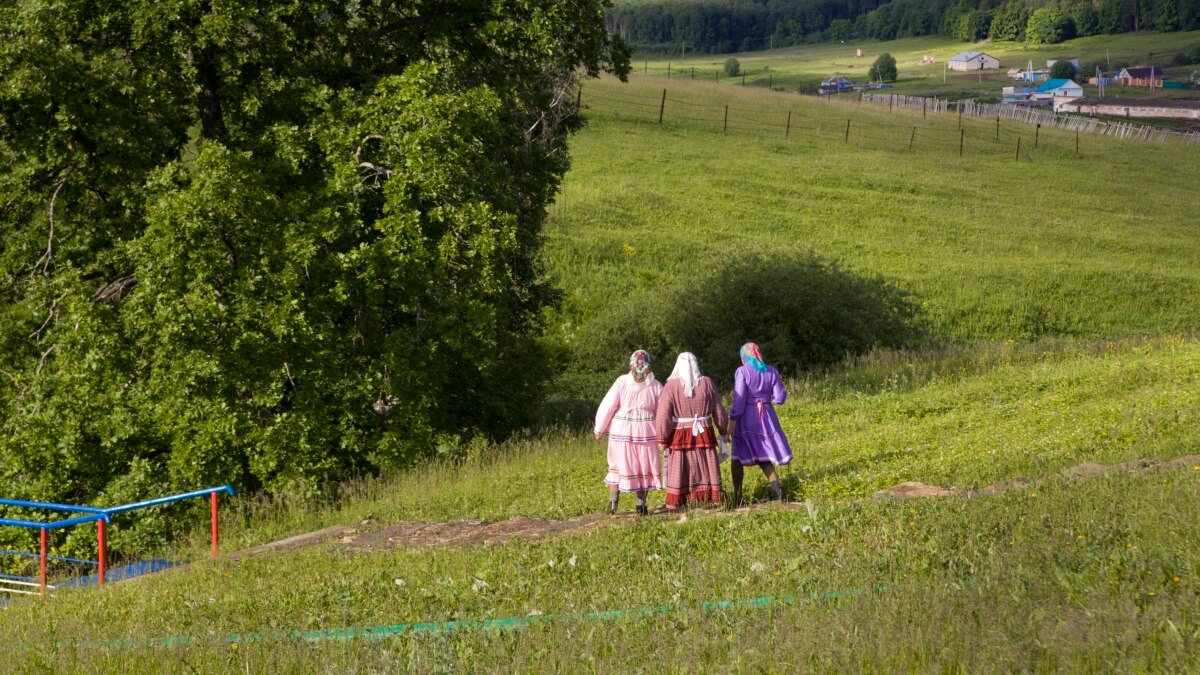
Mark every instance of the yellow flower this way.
pixel 1175 578
pixel 1032 494
pixel 233 646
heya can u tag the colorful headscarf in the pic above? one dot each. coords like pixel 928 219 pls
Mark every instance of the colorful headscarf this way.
pixel 639 363
pixel 687 370
pixel 752 357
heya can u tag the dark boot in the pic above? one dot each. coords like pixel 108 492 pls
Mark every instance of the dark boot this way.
pixel 776 491
pixel 643 510
pixel 612 505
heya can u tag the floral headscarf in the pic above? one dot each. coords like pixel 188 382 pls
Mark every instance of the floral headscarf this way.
pixel 639 363
pixel 752 357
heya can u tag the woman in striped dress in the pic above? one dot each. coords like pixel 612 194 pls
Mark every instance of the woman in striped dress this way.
pixel 689 417
pixel 626 415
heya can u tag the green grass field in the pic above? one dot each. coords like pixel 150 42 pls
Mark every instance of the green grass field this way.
pixel 805 66
pixel 1060 292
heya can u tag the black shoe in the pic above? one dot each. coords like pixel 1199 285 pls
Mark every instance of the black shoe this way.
pixel 776 492
pixel 612 508
pixel 643 510
pixel 737 499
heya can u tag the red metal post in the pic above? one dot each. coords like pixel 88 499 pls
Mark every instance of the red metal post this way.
pixel 42 561
pixel 102 544
pixel 214 525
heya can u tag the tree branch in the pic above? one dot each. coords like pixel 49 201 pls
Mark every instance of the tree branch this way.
pixel 44 261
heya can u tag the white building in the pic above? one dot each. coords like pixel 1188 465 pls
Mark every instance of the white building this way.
pixel 972 61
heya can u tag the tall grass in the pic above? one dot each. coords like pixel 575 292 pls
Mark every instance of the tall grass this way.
pixel 1051 246
pixel 1094 575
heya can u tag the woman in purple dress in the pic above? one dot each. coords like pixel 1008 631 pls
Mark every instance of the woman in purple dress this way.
pixel 757 436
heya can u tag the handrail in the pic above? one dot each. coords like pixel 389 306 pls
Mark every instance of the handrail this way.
pixel 35 525
pixel 26 554
pixel 100 516
pixel 50 506
pixel 164 500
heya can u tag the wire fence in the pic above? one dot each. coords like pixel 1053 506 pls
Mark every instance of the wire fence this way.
pixel 968 135
pixel 1033 116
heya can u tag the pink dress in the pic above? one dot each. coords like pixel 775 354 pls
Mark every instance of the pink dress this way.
pixel 627 415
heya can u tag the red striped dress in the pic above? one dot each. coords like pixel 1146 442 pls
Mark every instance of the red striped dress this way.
pixel 687 424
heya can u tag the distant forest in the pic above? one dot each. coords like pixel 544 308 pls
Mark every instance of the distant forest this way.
pixel 720 26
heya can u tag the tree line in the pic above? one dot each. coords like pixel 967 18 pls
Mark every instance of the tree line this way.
pixel 713 26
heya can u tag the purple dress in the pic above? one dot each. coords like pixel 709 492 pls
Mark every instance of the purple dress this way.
pixel 757 436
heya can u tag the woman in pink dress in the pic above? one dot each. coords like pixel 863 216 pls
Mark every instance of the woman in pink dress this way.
pixel 626 415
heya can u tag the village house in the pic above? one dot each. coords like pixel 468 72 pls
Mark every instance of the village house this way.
pixel 1140 76
pixel 1055 89
pixel 972 61
pixel 1073 61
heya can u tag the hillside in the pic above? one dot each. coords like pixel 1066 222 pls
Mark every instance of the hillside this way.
pixel 1058 293
pixel 803 67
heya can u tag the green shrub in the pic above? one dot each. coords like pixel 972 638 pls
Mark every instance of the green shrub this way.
pixel 804 311
pixel 1062 70
pixel 732 67
pixel 884 69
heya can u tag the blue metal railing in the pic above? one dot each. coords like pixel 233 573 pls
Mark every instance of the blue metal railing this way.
pixel 98 515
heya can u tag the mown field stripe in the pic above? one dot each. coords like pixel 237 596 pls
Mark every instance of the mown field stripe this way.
pixel 383 632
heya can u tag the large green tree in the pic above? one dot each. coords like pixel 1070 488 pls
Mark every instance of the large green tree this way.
pixel 273 242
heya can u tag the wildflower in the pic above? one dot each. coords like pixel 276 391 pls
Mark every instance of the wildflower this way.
pixel 1175 578
pixel 1079 537
pixel 1032 494
pixel 233 646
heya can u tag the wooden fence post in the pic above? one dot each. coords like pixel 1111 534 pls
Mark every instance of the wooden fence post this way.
pixel 1037 132
pixel 912 138
pixel 1018 157
pixel 847 132
pixel 726 126
pixel 961 135
pixel 788 131
pixel 662 106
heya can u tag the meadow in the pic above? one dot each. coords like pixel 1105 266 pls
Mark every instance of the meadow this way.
pixel 803 67
pixel 1058 294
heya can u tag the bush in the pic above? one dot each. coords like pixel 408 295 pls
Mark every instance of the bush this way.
pixel 1062 70
pixel 802 310
pixel 884 69
pixel 1194 54
pixel 732 67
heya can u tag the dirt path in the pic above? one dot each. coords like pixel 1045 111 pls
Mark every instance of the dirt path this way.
pixel 372 537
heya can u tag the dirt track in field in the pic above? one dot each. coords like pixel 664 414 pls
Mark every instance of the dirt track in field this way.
pixel 373 537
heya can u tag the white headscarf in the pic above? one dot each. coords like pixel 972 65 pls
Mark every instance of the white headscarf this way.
pixel 687 370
